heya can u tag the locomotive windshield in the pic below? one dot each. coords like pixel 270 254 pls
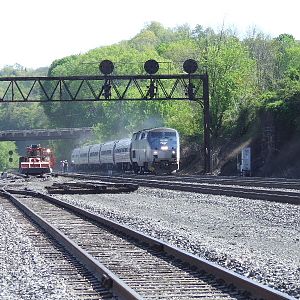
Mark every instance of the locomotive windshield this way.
pixel 162 139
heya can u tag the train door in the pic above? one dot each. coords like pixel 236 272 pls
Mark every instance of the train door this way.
pixel 143 152
pixel 138 148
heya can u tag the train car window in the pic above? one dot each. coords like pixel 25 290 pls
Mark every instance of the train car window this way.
pixel 170 134
pixel 143 135
pixel 165 134
pixel 106 152
pixel 133 154
pixel 156 138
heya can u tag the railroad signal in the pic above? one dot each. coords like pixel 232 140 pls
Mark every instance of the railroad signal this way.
pixel 106 67
pixel 190 92
pixel 10 153
pixel 152 89
pixel 107 90
pixel 190 66
pixel 151 66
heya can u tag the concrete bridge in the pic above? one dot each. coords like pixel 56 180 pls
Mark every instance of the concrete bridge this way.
pixel 46 134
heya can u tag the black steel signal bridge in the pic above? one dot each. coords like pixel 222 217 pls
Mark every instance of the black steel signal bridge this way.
pixel 109 87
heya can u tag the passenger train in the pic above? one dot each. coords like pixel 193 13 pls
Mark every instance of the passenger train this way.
pixel 154 150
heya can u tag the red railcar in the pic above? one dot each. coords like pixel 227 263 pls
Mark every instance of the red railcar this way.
pixel 38 161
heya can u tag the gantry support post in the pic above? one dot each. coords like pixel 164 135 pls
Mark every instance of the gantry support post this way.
pixel 207 152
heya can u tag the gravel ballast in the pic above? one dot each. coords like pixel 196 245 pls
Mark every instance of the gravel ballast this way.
pixel 24 273
pixel 258 239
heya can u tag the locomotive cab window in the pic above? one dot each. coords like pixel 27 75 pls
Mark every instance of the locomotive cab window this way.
pixel 157 139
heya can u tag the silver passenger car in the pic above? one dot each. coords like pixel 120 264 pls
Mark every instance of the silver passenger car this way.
pixel 94 155
pixel 122 154
pixel 107 154
pixel 155 150
pixel 75 157
pixel 84 156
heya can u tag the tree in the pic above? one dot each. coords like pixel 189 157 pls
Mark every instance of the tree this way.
pixel 230 71
pixel 261 49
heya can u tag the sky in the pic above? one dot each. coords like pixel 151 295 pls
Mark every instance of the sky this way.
pixel 36 32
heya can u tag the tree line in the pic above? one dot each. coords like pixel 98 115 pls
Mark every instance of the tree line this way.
pixel 247 76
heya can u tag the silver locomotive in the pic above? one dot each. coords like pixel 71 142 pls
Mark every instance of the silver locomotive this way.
pixel 155 150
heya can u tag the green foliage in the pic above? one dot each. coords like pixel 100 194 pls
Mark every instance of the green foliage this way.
pixel 275 106
pixel 285 112
pixel 110 118
pixel 231 80
pixel 20 115
pixel 227 60
pixel 245 77
pixel 178 51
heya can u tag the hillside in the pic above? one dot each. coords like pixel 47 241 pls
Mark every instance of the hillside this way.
pixel 254 94
pixel 275 148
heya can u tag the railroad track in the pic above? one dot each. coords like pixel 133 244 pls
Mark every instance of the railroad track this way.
pixel 82 282
pixel 283 196
pixel 132 265
pixel 280 183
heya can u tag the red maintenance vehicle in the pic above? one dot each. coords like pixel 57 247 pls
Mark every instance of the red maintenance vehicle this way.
pixel 38 161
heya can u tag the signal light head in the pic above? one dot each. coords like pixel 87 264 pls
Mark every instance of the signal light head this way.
pixel 190 66
pixel 151 66
pixel 106 67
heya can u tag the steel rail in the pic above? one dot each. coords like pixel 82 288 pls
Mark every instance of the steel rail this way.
pixel 256 290
pixel 61 263
pixel 247 193
pixel 105 276
pixel 247 181
pixel 233 180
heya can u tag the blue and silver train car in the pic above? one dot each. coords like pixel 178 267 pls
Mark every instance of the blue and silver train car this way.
pixel 155 150
pixel 94 157
pixel 122 154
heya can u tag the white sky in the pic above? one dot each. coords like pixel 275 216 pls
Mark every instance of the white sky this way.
pixel 35 32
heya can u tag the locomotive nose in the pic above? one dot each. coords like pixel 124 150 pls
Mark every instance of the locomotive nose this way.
pixel 164 154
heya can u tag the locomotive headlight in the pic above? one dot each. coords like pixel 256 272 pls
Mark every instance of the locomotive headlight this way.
pixel 173 152
pixel 155 152
pixel 164 147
